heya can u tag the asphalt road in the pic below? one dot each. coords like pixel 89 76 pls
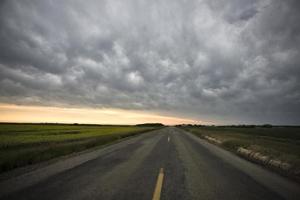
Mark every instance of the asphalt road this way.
pixel 192 169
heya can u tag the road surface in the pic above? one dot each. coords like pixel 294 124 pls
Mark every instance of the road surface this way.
pixel 164 164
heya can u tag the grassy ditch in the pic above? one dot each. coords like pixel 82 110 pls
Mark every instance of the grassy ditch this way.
pixel 277 148
pixel 25 144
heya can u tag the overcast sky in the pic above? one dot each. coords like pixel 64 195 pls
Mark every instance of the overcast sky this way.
pixel 224 61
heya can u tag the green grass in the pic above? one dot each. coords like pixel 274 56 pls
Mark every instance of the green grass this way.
pixel 24 144
pixel 281 143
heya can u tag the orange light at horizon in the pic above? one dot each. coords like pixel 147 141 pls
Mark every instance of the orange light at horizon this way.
pixel 43 114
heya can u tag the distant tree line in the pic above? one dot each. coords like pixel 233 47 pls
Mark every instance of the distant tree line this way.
pixel 151 124
pixel 236 126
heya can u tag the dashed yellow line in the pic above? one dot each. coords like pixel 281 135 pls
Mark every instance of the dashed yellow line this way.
pixel 159 183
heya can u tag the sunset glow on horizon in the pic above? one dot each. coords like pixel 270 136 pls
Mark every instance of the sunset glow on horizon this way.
pixel 43 114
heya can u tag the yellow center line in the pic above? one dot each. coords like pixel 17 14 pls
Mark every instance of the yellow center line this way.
pixel 157 191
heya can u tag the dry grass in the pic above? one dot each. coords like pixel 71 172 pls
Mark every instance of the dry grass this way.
pixel 277 143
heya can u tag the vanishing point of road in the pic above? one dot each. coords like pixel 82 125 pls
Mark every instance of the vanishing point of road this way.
pixel 164 164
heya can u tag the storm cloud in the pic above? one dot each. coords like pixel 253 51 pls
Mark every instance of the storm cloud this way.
pixel 228 61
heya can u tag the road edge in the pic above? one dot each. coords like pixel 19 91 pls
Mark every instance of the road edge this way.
pixel 283 186
pixel 31 175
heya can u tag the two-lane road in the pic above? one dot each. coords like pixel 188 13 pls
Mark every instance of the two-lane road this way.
pixel 167 164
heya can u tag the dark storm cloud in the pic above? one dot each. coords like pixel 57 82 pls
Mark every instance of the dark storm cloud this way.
pixel 230 61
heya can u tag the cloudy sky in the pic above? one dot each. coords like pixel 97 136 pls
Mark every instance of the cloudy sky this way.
pixel 208 61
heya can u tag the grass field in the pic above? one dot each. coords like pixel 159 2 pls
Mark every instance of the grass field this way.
pixel 24 144
pixel 278 143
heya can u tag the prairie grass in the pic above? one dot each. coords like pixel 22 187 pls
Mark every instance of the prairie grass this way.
pixel 24 144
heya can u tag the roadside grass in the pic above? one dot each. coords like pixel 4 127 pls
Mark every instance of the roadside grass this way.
pixel 25 144
pixel 278 143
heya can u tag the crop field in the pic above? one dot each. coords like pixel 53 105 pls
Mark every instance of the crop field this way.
pixel 24 144
pixel 277 143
